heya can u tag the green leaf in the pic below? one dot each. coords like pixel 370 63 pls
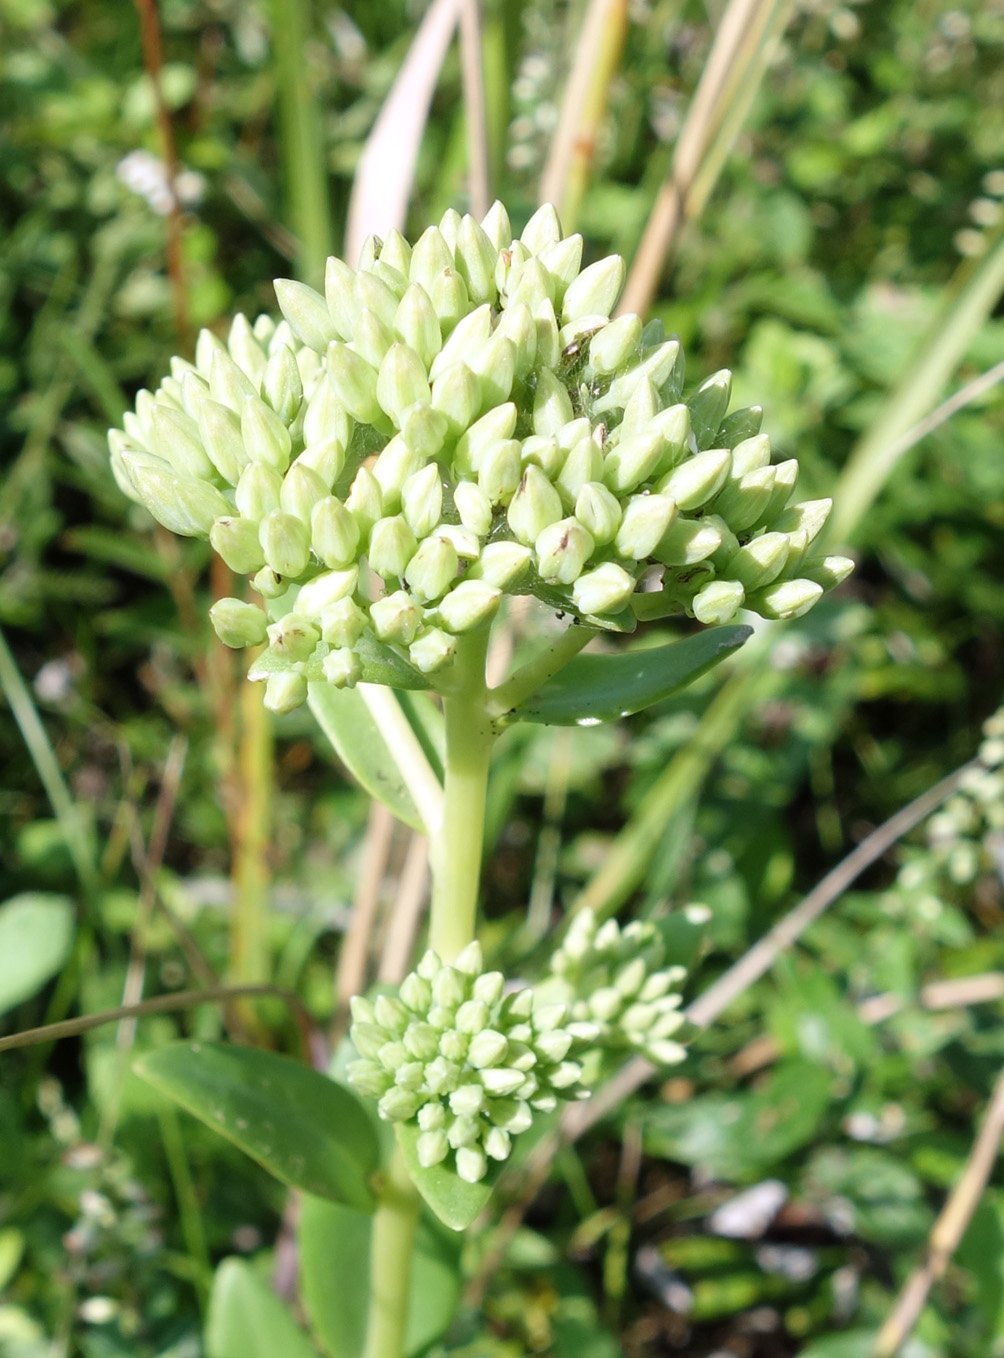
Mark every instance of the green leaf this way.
pixel 347 722
pixel 595 688
pixel 455 1202
pixel 304 1128
pixel 982 1253
pixel 36 932
pixel 335 1244
pixel 247 1320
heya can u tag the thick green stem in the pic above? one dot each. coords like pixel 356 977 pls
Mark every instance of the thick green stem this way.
pixel 394 1226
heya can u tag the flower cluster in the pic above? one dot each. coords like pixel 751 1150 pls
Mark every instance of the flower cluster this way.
pixel 461 1059
pixel 619 993
pixel 450 422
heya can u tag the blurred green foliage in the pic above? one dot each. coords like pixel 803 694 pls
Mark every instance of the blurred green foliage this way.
pixel 873 162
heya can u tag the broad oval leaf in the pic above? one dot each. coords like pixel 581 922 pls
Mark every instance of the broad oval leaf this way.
pixel 334 1242
pixel 304 1128
pixel 455 1202
pixel 595 688
pixel 247 1320
pixel 36 933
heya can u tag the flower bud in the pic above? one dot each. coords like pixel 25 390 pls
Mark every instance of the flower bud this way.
pixel 686 542
pixel 828 571
pixel 497 227
pixel 236 541
pixel 424 429
pixel 708 405
pixel 743 500
pixel 307 313
pixel 401 382
pixel 554 1046
pixel 416 992
pixel 809 516
pixel 562 550
pixel 694 482
pixel 552 406
pixel 326 459
pixel 398 1105
pixel 474 508
pixel 354 383
pixel 392 545
pixel 238 624
pixel 372 338
pixel 498 1144
pixel 494 365
pixel 293 637
pixel 469 336
pixel 501 563
pixel 642 408
pixel 422 499
pixel 633 461
pixel 268 584
pixel 534 287
pixel 432 650
pixel 374 292
pixel 396 464
pixel 416 323
pixel 582 465
pixel 534 505
pixel 786 599
pixel 645 520
pixel 396 618
pixel 718 602
pixel 740 425
pixel 471 603
pixel 500 471
pixel 544 452
pixel 326 419
pixel 284 692
pixel 334 533
pixel 432 569
pixel 448 295
pixel 598 511
pixel 474 444
pixel 611 347
pixel 342 623
pixel 396 252
pixel 219 432
pixel 595 290
pixel 430 256
pixel 471 1164
pixel 185 506
pixel 476 258
pixel 364 499
pixel 174 437
pixel 341 668
pixel 467 544
pixel 760 562
pixel 324 590
pixel 340 294
pixel 227 384
pixel 265 436
pixel 750 455
pixel 543 229
pixel 302 489
pixel 603 590
pixel 546 325
pixel 282 386
pixel 517 325
pixel 456 394
pixel 657 367
pixel 501 1082
pixel 432 1148
pixel 285 541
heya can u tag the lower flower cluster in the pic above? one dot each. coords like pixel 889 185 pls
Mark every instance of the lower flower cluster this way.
pixel 465 1062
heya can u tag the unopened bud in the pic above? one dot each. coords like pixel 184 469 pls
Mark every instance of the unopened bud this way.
pixel 694 482
pixel 354 383
pixel 318 594
pixel 476 258
pixel 497 227
pixel 545 452
pixel 326 418
pixel 220 433
pixel 416 323
pixel 375 293
pixel 396 464
pixel 645 520
pixel 392 545
pixel 432 1148
pixel 517 324
pixel 599 511
pixel 430 255
pixel 485 433
pixel 808 517
pixel 342 623
pixel 686 542
pixel 238 624
pixel 372 338
pixel 268 584
pixel 603 590
pixel 285 691
pixel 265 436
pixel 227 384
pixel 552 406
pixel 339 293
pixel 562 550
pixel 364 499
pixel 326 459
pixel 471 1164
pixel 174 436
pixel 448 294
pixel 471 603
pixel 432 569
pixel 534 505
pixel 474 508
pixel 760 562
pixel 293 637
pixel 582 465
pixel 543 229
pixel 828 571
pixel 546 325
pixel 786 599
pixel 185 506
pixel 422 500
pixel 402 382
pixel 718 602
pixel 432 650
pixel 500 471
pixel 456 394
pixel 494 365
pixel 750 455
pixel 595 290
pixel 236 541
pixel 501 563
pixel 657 367
pixel 740 425
pixel 632 462
pixel 286 543
pixel 282 386
pixel 396 618
pixel 334 533
pixel 307 313
pixel 708 405
pixel 341 668
pixel 611 347
pixel 302 489
pixel 469 336
pixel 640 410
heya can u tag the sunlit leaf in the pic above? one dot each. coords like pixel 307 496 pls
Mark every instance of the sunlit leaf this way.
pixel 36 931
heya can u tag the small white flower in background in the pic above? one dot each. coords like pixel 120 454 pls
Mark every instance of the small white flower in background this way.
pixel 146 175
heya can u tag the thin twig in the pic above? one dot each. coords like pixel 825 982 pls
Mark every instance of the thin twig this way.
pixel 949 1229
pixel 472 78
pixel 963 397
pixel 406 912
pixel 354 956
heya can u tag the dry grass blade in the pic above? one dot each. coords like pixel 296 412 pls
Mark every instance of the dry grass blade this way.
pixel 353 959
pixel 739 57
pixel 406 912
pixel 472 76
pixel 386 170
pixel 574 145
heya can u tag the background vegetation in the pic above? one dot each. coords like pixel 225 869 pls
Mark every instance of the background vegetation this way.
pixel 158 836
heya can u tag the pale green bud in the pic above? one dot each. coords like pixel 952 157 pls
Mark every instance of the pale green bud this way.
pixel 687 541
pixel 206 345
pixel 501 1082
pixel 808 517
pixel 268 584
pixel 694 482
pixel 219 431
pixel 185 506
pixel 368 1037
pixel 562 549
pixel 342 669
pixel 554 1046
pixel 500 471
pixel 604 590
pixel 498 1144
pixel 488 987
pixel 456 394
pixel 785 477
pixel 302 489
pixel 422 1041
pixel 552 406
pixel 743 500
pixel 645 520
pixel 471 1164
pixel 326 460
pixel 236 541
pixel 519 1004
pixel 501 563
pixel 340 295
pixel 488 1048
pixel 293 637
pixel 372 338
pixel 448 294
pixel 533 287
pixel 334 533
pixel 416 323
pixel 424 429
pixel 392 545
pixel 467 544
pixel 307 313
pixel 497 227
pixel 398 1105
pixel 342 623
pixel 494 365
pixel 572 433
pixel 448 988
pixel 512 1115
pixel 760 562
pixel 633 461
pixel 546 325
pixel 227 384
pixel 543 229
pixel 354 383
pixel 595 290
pixel 474 444
pixel 640 410
pixel 631 977
pixel 467 1102
pixel 284 692
pixel 432 1148
pixel 708 405
pixel 441 1075
pixel 750 455
pixel 238 624
pixel 432 650
pixel 470 336
pixel 657 368
pixel 245 350
pixel 563 260
pixel 396 252
pixel 449 224
pixel 474 508
pixel 605 1003
pixel 534 505
pixel 517 324
pixel 396 618
pixel 548 1017
pixel 286 543
pixel 412 1073
pixel 366 1077
pixel 665 1053
pixel 786 599
pixel 583 465
pixel 611 347
pixel 545 452
pixel 673 426
pixel 718 602
pixel 317 595
pixel 326 419
pixel 364 499
pixel 396 464
pixel 416 992
pixel 740 425
pixel 828 571
pixel 422 500
pixel 432 569
pixel 265 436
pixel 374 294
pixel 471 603
pixel 430 256
pixel 476 258
pixel 174 437
pixel 402 382
pixel 599 511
